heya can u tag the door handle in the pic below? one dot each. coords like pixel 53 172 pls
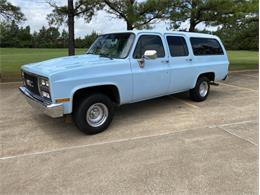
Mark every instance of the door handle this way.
pixel 189 60
pixel 165 61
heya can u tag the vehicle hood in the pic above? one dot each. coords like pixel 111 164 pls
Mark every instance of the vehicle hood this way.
pixel 62 64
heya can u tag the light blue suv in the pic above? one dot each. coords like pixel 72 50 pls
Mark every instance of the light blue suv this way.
pixel 122 68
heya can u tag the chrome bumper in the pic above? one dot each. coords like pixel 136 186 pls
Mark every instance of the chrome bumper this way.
pixel 52 110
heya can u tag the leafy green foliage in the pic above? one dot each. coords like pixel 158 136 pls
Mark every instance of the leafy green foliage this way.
pixel 137 14
pixel 242 32
pixel 47 38
pixel 81 8
pixel 66 14
pixel 14 36
pixel 209 12
pixel 9 12
pixel 86 41
pixel 239 38
pixel 237 20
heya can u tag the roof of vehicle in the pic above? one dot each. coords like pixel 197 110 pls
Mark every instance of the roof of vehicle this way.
pixel 188 34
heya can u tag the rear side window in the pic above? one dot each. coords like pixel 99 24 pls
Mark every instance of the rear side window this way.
pixel 206 46
pixel 177 46
pixel 149 42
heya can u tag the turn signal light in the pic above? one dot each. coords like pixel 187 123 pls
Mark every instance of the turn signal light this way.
pixel 60 100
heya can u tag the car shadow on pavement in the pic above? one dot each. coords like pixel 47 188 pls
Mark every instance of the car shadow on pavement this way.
pixel 125 115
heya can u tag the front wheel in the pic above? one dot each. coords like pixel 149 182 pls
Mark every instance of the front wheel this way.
pixel 94 113
pixel 201 91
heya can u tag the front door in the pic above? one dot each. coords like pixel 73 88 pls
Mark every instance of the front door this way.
pixel 152 79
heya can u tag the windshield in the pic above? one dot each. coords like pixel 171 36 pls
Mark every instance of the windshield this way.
pixel 112 45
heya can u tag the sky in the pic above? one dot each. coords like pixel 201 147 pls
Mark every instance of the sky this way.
pixel 36 11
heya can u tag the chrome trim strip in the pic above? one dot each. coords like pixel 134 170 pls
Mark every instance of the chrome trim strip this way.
pixel 52 110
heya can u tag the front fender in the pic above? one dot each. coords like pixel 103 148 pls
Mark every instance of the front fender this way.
pixel 65 84
pixel 68 106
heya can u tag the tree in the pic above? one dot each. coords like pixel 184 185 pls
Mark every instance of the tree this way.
pixel 137 14
pixel 244 28
pixel 24 37
pixel 68 13
pixel 9 32
pixel 9 12
pixel 86 41
pixel 14 36
pixel 210 12
pixel 40 37
pixel 52 37
pixel 47 37
pixel 64 39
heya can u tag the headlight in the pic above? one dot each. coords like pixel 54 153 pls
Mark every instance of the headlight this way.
pixel 44 87
pixel 44 82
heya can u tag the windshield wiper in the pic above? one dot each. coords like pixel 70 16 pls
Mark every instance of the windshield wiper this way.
pixel 91 53
pixel 100 55
pixel 105 55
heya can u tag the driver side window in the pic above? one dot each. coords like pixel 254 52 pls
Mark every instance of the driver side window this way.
pixel 149 42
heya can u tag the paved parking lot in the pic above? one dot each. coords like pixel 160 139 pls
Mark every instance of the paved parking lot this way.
pixel 168 145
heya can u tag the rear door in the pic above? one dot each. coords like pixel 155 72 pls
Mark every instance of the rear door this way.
pixel 153 78
pixel 182 70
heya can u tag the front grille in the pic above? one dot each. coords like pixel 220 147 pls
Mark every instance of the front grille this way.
pixel 31 83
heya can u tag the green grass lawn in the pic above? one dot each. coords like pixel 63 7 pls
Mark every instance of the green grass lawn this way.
pixel 11 59
pixel 240 60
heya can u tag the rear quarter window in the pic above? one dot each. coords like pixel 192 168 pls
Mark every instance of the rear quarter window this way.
pixel 206 46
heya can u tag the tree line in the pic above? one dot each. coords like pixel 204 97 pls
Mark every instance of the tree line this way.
pixel 12 35
pixel 237 20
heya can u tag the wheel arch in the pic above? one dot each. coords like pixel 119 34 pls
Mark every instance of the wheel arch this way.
pixel 111 90
pixel 210 75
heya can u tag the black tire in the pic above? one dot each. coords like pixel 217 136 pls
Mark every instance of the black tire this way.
pixel 82 107
pixel 195 92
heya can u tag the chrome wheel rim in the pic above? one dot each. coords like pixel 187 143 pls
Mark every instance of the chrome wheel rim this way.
pixel 97 114
pixel 203 89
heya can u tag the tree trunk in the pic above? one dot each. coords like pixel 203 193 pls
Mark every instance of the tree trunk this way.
pixel 129 25
pixel 71 45
pixel 192 26
pixel 192 16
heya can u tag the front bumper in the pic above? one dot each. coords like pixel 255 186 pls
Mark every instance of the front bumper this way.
pixel 52 110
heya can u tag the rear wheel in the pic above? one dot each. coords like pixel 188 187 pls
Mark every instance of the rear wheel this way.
pixel 201 91
pixel 94 113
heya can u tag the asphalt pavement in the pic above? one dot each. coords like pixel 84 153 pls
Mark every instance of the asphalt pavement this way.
pixel 168 145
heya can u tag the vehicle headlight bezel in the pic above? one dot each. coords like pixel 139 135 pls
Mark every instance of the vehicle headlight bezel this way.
pixel 44 87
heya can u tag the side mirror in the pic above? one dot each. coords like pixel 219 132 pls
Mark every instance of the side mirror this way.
pixel 150 54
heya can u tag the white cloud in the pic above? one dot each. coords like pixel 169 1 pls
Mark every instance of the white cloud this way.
pixel 36 11
pixel 101 23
